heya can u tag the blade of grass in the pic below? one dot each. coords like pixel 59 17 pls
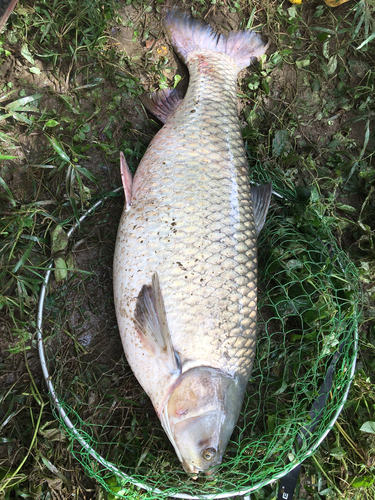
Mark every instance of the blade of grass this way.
pixel 7 190
pixel 24 257
pixel 58 148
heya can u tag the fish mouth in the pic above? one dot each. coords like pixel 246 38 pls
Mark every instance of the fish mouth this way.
pixel 193 469
pixel 210 472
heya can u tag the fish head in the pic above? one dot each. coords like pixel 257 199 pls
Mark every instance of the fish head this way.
pixel 199 441
pixel 200 415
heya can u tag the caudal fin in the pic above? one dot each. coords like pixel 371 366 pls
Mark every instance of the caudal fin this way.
pixel 188 35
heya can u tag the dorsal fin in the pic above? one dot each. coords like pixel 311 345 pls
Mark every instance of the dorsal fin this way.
pixel 162 103
pixel 127 180
pixel 261 197
pixel 151 321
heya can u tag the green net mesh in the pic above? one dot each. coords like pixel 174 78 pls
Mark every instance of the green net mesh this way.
pixel 309 298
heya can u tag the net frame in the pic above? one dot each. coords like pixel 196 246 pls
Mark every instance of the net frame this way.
pixel 124 478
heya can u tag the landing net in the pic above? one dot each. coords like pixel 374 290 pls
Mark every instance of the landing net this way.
pixel 309 297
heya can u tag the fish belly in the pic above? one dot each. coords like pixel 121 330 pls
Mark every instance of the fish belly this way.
pixel 191 221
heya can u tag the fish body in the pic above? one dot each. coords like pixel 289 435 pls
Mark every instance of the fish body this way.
pixel 185 263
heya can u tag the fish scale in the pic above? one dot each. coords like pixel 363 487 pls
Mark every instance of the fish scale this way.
pixel 213 235
pixel 191 221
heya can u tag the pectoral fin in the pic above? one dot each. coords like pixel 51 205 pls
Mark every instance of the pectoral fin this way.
pixel 151 321
pixel 261 197
pixel 162 103
pixel 127 180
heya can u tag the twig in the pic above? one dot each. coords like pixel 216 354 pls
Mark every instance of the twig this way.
pixel 326 476
pixel 350 442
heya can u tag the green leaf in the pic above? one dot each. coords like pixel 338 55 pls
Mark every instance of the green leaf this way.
pixel 281 143
pixel 86 173
pixel 275 59
pixel 371 37
pixel 332 65
pixel 85 128
pixel 282 389
pixel 20 104
pixel 292 11
pixel 51 123
pixel 35 70
pixel 294 264
pixel 368 426
pixel 43 166
pixel 265 86
pixel 70 262
pixel 59 240
pixel 52 433
pixel 58 148
pixel 52 468
pixel 271 421
pixel 303 63
pixel 346 208
pixel 70 103
pixel 59 246
pixel 24 257
pixel 5 186
pixel 338 452
pixel 22 117
pixel 362 482
pixel 5 96
pixel 26 53
pixel 6 138
pixel 61 271
pixel 177 79
pixel 7 157
pixel 34 238
pixel 322 37
pixel 324 30
pixel 97 82
pixel 4 117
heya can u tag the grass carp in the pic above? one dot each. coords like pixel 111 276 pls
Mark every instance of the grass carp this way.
pixel 185 263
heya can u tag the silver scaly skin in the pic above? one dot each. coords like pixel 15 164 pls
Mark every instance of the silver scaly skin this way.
pixel 191 221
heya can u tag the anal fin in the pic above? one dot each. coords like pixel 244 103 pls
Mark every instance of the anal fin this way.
pixel 162 103
pixel 261 198
pixel 151 321
pixel 127 180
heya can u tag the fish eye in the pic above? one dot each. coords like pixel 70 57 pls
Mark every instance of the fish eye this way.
pixel 209 453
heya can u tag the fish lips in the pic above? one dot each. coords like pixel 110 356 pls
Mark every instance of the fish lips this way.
pixel 193 469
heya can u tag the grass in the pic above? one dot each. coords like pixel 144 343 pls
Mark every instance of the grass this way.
pixel 71 104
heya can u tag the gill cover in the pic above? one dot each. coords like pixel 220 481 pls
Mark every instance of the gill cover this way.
pixel 200 415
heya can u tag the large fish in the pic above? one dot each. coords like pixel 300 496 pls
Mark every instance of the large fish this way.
pixel 185 264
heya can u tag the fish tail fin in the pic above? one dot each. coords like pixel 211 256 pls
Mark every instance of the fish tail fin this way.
pixel 188 35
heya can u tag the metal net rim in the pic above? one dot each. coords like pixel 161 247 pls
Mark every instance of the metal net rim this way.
pixel 110 466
